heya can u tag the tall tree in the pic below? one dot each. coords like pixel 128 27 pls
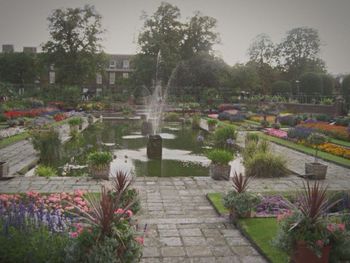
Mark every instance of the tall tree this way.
pixel 261 50
pixel 74 46
pixel 162 32
pixel 299 52
pixel 199 35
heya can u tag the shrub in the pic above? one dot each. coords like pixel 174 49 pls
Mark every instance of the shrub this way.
pixel 252 148
pixel 342 121
pixel 300 133
pixel 45 171
pixel 76 121
pixel 265 165
pixel 289 120
pixel 276 126
pixel 12 123
pixel 47 142
pixel 264 123
pixel 224 133
pixel 172 116
pixel 2 117
pixel 240 203
pixel 196 121
pixel 316 139
pixel 281 87
pixel 99 159
pixel 212 122
pixel 218 156
pixel 323 117
pixel 252 137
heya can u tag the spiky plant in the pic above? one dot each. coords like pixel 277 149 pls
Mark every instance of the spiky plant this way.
pixel 314 202
pixel 240 183
pixel 121 181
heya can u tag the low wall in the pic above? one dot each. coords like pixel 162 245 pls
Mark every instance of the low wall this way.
pixel 333 110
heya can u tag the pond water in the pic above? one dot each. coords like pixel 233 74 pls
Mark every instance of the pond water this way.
pixel 182 155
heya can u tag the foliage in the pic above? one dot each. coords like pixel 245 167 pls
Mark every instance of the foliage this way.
pixel 299 52
pixel 252 148
pixel 264 123
pixel 224 133
pixel 45 171
pixel 252 137
pixel 172 116
pixel 289 120
pixel 240 203
pixel 47 142
pixel 36 244
pixel 307 223
pixel 345 88
pixel 316 139
pixel 240 183
pixel 75 121
pixel 328 85
pixel 261 50
pixel 212 122
pixel 218 156
pixel 266 165
pixel 311 83
pixel 276 126
pixel 282 87
pixel 74 45
pixel 99 159
pixel 196 121
pixel 342 121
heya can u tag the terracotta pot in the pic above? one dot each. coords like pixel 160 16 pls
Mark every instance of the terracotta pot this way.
pixel 302 253
pixel 316 171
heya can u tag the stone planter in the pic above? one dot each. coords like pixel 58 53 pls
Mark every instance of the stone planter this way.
pixel 302 254
pixel 219 171
pixel 100 172
pixel 4 169
pixel 316 171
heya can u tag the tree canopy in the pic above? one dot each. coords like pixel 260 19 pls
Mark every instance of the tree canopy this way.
pixel 74 46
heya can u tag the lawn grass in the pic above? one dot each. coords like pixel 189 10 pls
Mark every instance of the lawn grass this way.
pixel 262 231
pixel 216 201
pixel 13 139
pixel 307 150
pixel 340 142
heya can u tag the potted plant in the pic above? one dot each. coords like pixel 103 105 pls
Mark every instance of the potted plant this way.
pixel 220 169
pixel 211 124
pixel 306 233
pixel 98 163
pixel 238 201
pixel 74 123
pixel 316 170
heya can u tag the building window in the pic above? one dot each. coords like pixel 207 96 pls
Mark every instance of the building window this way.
pixel 98 78
pixel 112 64
pixel 125 63
pixel 125 75
pixel 111 78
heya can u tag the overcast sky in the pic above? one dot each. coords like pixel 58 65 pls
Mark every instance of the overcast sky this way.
pixel 23 23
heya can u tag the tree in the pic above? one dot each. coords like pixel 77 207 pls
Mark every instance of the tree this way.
pixel 199 35
pixel 245 78
pixel 311 83
pixel 328 84
pixel 281 87
pixel 261 50
pixel 346 88
pixel 74 46
pixel 162 32
pixel 299 52
pixel 18 68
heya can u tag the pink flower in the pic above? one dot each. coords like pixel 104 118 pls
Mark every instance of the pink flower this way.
pixel 129 213
pixel 341 227
pixel 79 193
pixel 140 240
pixel 320 243
pixel 330 228
pixel 119 211
pixel 74 234
pixel 77 199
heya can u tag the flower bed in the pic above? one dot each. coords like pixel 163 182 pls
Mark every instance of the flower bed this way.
pixel 335 149
pixel 258 118
pixel 276 132
pixel 335 131
pixel 30 113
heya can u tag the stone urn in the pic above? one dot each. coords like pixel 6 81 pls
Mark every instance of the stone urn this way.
pixel 100 172
pixel 315 171
pixel 154 147
pixel 219 171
